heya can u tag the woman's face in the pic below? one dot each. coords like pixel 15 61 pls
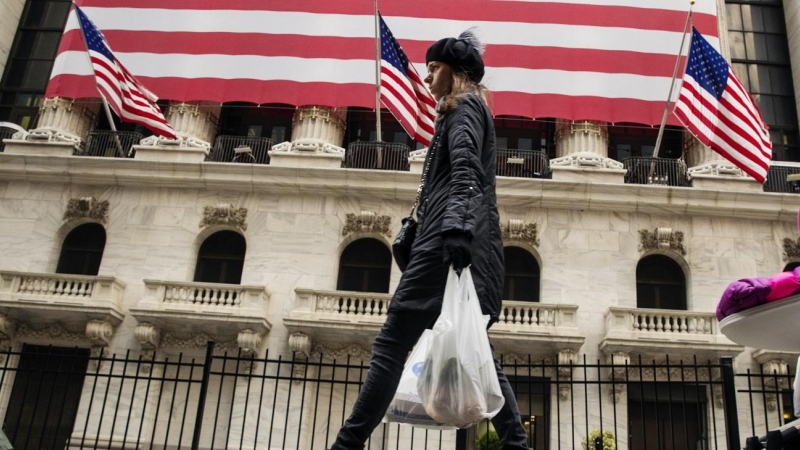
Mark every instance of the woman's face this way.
pixel 439 79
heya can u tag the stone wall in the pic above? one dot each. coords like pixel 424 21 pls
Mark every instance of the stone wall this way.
pixel 10 12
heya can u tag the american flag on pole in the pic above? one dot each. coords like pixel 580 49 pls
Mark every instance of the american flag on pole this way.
pixel 125 95
pixel 720 113
pixel 608 60
pixel 402 90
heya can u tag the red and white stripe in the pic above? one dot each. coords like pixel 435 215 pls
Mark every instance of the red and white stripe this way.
pixel 731 126
pixel 131 101
pixel 410 102
pixel 606 60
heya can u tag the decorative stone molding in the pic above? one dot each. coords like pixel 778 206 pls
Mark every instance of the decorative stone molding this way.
pixel 198 341
pixel 775 370
pixel 662 239
pixel 566 358
pixel 586 160
pixel 7 331
pixel 87 207
pixel 520 231
pixel 791 249
pixel 341 351
pixel 50 333
pixel 717 168
pixel 149 338
pixel 249 342
pixel 367 222
pixel 619 362
pixel 319 123
pixel 583 144
pixel 224 214
pixel 181 142
pixel 99 333
pixel 300 343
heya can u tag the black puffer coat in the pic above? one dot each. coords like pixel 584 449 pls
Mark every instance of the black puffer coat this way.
pixel 459 196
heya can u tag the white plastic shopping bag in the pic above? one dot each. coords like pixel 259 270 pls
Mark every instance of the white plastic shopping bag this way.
pixel 458 384
pixel 406 407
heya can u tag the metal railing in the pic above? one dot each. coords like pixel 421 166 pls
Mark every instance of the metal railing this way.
pixel 69 398
pixel 5 133
pixel 110 144
pixel 377 156
pixel 241 149
pixel 522 164
pixel 776 179
pixel 656 171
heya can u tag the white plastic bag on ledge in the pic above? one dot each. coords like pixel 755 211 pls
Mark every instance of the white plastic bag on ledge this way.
pixel 406 407
pixel 458 384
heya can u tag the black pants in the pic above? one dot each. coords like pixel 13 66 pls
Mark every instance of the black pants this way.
pixel 400 332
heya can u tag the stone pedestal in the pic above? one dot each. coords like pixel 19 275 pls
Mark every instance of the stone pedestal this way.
pixel 317 134
pixel 582 154
pixel 709 170
pixel 416 160
pixel 195 124
pixel 63 124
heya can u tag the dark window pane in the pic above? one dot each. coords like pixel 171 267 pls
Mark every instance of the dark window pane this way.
pixel 55 14
pixel 781 80
pixel 221 258
pixel 35 14
pixel 522 275
pixel 756 46
pixel 740 70
pixel 660 283
pixel 751 18
pixel 15 73
pixel 37 74
pixel 734 16
pixel 82 250
pixel 767 106
pixel 785 111
pixel 737 45
pixel 778 50
pixel 365 266
pixel 773 20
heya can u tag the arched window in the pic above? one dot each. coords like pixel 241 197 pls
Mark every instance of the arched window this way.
pixel 522 275
pixel 82 250
pixel 660 283
pixel 221 258
pixel 365 266
pixel 791 266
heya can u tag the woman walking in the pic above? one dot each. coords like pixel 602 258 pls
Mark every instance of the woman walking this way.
pixel 458 225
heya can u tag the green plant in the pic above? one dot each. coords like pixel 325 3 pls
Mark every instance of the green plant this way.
pixel 489 441
pixel 609 442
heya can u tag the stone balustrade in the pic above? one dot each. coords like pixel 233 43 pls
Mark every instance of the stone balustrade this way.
pixel 196 295
pixel 60 287
pixel 526 315
pixel 659 331
pixel 343 305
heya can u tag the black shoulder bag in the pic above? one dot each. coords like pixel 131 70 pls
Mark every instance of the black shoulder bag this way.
pixel 401 247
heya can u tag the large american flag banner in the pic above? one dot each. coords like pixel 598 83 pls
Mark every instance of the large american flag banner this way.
pixel 718 110
pixel 403 91
pixel 606 60
pixel 125 95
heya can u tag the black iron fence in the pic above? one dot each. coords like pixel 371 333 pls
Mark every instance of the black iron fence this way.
pixel 241 149
pixel 656 171
pixel 110 144
pixel 67 398
pixel 777 182
pixel 522 163
pixel 377 155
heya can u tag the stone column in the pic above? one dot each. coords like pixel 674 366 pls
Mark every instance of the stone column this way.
pixel 195 125
pixel 791 11
pixel 582 153
pixel 317 135
pixel 709 170
pixel 62 125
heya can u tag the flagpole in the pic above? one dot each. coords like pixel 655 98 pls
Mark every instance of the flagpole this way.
pixel 672 83
pixel 103 99
pixel 377 74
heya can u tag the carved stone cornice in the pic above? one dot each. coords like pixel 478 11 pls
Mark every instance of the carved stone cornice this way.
pixel 53 332
pixel 518 230
pixel 87 207
pixel 662 239
pixel 198 341
pixel 224 214
pixel 300 343
pixel 367 222
pixel 99 332
pixel 341 351
pixel 791 249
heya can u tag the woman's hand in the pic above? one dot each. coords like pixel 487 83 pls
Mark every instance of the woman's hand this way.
pixel 457 250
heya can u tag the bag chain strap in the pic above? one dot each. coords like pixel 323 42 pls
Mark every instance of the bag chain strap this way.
pixel 429 160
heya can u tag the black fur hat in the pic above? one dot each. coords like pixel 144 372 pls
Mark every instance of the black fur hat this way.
pixel 462 53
